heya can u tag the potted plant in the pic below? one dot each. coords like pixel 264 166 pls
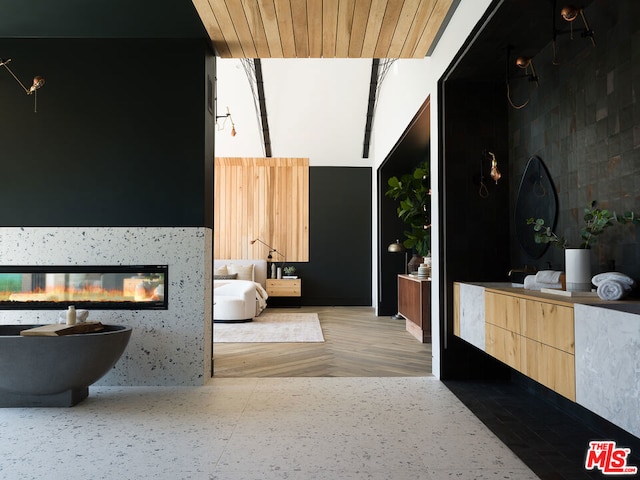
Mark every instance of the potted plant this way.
pixel 596 221
pixel 413 192
pixel 289 271
pixel 577 261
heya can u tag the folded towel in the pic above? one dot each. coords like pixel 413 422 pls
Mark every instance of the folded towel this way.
pixel 619 277
pixel 81 316
pixel 530 283
pixel 612 290
pixel 548 276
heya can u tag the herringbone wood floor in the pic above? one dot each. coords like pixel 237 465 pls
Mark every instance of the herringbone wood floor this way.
pixel 357 344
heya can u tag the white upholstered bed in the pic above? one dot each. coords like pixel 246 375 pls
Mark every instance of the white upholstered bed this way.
pixel 239 292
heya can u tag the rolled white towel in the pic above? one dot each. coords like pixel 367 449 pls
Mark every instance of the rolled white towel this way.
pixel 617 276
pixel 530 283
pixel 612 290
pixel 548 276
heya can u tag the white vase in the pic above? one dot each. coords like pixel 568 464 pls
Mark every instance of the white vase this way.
pixel 578 269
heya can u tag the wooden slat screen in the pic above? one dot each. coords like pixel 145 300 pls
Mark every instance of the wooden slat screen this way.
pixel 265 198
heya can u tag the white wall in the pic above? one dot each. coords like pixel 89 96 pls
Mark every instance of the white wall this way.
pixel 400 98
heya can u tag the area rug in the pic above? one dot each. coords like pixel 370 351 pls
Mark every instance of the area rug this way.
pixel 271 327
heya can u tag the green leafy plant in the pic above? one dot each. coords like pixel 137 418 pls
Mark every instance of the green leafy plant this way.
pixel 289 270
pixel 412 190
pixel 596 221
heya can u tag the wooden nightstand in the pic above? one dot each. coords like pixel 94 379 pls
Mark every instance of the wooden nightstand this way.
pixel 281 287
pixel 277 287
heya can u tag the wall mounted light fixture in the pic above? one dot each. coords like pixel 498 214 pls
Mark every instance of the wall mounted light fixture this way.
pixel 38 82
pixel 569 13
pixel 228 115
pixel 526 64
pixel 494 173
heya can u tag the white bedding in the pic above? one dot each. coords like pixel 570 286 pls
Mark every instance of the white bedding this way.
pixel 259 271
pixel 260 275
pixel 261 298
pixel 260 294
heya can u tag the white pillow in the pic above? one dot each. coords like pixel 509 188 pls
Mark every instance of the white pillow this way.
pixel 245 272
pixel 221 270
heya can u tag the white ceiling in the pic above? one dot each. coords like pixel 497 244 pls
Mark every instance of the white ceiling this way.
pixel 316 109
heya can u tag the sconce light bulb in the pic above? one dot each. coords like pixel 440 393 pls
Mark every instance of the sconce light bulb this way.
pixel 523 62
pixel 569 13
pixel 495 173
pixel 38 82
pixel 233 130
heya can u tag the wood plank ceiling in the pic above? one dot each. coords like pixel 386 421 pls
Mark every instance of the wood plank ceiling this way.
pixel 323 28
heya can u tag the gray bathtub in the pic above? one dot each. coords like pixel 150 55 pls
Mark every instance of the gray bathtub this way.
pixel 55 371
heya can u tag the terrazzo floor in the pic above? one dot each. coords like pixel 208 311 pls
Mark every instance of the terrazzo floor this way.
pixel 258 428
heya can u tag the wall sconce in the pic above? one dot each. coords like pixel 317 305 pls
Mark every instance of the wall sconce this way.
pixel 569 13
pixel 38 82
pixel 228 115
pixel 494 173
pixel 526 64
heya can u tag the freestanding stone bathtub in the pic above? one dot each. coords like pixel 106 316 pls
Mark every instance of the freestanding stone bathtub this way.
pixel 38 371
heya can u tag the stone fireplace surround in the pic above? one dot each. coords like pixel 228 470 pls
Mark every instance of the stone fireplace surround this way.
pixel 168 347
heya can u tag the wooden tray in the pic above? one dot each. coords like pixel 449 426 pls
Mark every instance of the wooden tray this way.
pixel 56 330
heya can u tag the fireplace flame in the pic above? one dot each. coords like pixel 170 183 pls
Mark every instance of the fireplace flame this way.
pixel 134 290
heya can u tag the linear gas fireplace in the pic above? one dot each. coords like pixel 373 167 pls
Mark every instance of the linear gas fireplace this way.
pixel 110 287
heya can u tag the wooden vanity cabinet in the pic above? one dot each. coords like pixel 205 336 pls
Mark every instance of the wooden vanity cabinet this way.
pixel 570 344
pixel 503 329
pixel 534 337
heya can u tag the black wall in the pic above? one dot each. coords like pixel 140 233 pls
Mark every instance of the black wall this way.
pixel 409 151
pixel 120 138
pixel 583 121
pixel 475 245
pixel 339 267
pixel 477 222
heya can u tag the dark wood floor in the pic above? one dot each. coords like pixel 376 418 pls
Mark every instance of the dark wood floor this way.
pixel 357 344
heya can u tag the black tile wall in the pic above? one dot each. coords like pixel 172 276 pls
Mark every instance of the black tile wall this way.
pixel 583 121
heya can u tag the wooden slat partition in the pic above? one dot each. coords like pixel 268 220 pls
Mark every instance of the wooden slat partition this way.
pixel 265 198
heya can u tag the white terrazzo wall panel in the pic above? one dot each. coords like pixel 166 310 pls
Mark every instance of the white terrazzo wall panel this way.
pixel 472 315
pixel 607 348
pixel 167 347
